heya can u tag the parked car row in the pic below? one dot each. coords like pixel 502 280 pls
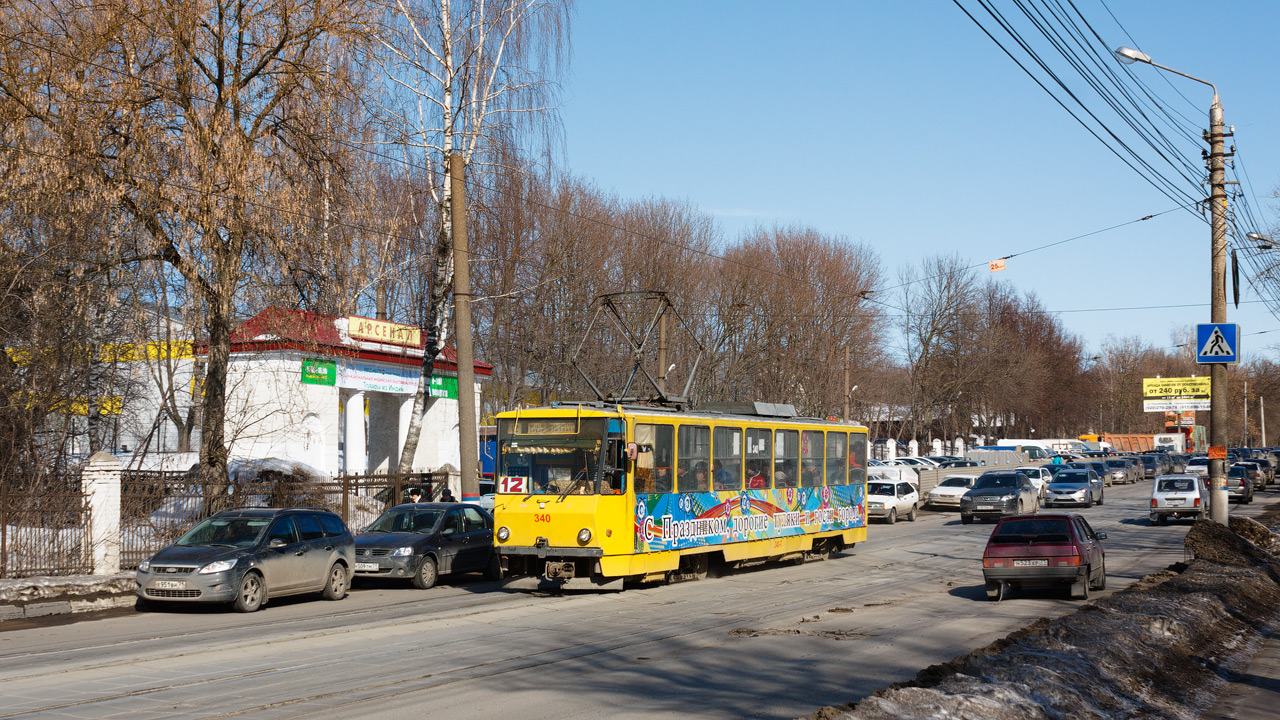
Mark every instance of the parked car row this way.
pixel 246 556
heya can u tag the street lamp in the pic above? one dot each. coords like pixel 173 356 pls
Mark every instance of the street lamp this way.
pixel 1264 242
pixel 1218 282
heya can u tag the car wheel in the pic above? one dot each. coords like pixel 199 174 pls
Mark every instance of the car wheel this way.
pixel 1101 583
pixel 1155 520
pixel 493 571
pixel 336 588
pixel 251 594
pixel 912 515
pixel 996 590
pixel 1101 496
pixel 966 519
pixel 893 516
pixel 1020 510
pixel 1089 502
pixel 1080 589
pixel 144 605
pixel 1164 519
pixel 427 573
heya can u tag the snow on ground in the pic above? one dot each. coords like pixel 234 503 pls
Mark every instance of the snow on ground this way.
pixel 22 590
pixel 1158 649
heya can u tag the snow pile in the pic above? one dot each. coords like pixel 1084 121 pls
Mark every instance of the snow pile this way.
pixel 1160 648
pixel 25 590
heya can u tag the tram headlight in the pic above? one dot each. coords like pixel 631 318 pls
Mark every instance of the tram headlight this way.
pixel 584 536
pixel 503 533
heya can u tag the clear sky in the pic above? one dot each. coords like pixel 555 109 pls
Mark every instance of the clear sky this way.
pixel 901 125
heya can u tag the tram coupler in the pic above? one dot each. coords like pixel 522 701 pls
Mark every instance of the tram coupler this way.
pixel 561 570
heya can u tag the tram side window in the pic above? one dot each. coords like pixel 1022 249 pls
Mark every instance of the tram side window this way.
pixel 694 456
pixel 653 469
pixel 726 467
pixel 857 458
pixel 759 459
pixel 811 459
pixel 786 462
pixel 837 460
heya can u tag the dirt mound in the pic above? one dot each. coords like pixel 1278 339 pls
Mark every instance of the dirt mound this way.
pixel 1157 649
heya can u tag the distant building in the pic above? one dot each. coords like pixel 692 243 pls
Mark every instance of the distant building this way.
pixel 335 393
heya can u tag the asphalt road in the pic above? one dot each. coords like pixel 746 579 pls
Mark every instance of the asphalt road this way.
pixel 773 642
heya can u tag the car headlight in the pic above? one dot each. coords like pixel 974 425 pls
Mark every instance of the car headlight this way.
pixel 503 533
pixel 217 567
pixel 401 552
pixel 584 536
pixel 144 566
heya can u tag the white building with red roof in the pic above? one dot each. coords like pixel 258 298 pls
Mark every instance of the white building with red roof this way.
pixel 336 393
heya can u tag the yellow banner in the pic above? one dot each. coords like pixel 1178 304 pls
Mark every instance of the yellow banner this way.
pixel 1178 388
pixel 382 331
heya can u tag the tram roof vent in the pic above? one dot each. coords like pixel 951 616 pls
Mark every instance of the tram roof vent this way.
pixel 761 409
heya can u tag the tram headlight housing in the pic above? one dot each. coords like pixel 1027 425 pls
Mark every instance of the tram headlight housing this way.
pixel 503 533
pixel 584 536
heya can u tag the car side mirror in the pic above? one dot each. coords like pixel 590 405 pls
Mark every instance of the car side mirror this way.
pixel 448 531
pixel 277 543
pixel 1101 535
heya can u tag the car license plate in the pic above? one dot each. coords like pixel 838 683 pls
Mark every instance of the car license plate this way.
pixel 366 566
pixel 1031 563
pixel 169 585
pixel 986 507
pixel 1175 501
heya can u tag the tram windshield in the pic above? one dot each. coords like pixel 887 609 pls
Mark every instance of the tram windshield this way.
pixel 559 456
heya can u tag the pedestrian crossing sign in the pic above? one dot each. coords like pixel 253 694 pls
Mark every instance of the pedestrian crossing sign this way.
pixel 1217 343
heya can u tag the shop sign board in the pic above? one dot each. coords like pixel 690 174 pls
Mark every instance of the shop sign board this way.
pixel 383 331
pixel 443 386
pixel 366 377
pixel 319 372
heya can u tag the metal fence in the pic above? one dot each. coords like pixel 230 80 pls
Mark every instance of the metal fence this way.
pixel 43 525
pixel 42 528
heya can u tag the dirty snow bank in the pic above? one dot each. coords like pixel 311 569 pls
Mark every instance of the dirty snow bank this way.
pixel 24 590
pixel 1159 648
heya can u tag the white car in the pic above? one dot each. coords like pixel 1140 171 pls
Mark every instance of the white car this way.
pixel 890 500
pixel 1040 477
pixel 1198 465
pixel 1179 496
pixel 915 462
pixel 949 491
pixel 877 470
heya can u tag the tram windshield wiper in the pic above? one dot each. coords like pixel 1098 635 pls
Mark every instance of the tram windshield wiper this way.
pixel 582 475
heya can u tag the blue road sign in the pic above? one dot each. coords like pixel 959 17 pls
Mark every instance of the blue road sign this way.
pixel 1217 343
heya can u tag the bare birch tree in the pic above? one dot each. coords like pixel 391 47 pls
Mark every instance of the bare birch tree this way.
pixel 466 73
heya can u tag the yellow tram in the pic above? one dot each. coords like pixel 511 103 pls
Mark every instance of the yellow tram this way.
pixel 590 495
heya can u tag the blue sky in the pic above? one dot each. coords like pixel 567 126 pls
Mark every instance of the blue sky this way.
pixel 902 126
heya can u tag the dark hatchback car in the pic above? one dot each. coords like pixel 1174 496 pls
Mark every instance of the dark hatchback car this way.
pixel 1044 550
pixel 422 541
pixel 998 493
pixel 247 555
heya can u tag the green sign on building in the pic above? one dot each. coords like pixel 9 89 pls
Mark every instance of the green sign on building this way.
pixel 319 372
pixel 443 386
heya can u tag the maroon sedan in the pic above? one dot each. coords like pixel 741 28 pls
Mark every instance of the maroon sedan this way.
pixel 1044 550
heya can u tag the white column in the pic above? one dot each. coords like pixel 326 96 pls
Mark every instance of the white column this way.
pixel 356 452
pixel 100 482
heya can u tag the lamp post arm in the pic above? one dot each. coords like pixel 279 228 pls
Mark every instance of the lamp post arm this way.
pixel 1189 77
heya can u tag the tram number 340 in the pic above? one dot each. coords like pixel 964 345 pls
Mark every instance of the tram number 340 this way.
pixel 542 517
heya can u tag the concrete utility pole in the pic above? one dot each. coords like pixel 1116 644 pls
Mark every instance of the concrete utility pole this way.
pixel 1218 312
pixel 1218 281
pixel 1262 418
pixel 468 442
pixel 847 391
